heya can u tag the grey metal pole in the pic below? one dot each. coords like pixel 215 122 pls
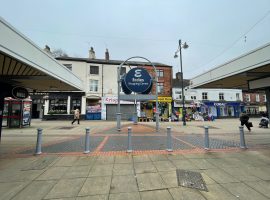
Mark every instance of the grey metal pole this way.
pixel 242 138
pixel 135 113
pixel 206 137
pixel 129 140
pixel 182 83
pixel 118 114
pixel 87 141
pixel 39 141
pixel 169 139
pixel 157 113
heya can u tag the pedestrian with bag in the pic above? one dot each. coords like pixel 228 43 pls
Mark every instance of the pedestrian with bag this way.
pixel 244 120
pixel 76 116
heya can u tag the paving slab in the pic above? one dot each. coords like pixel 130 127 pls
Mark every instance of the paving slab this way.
pixel 202 163
pixel 217 192
pixel 260 172
pixel 150 181
pixel 186 194
pixel 156 195
pixel 10 189
pixel 66 188
pixel 241 174
pixel 184 164
pixel 144 167
pixel 94 197
pixel 37 190
pixel 105 160
pixel 89 161
pixel 9 175
pixel 141 158
pixel 123 159
pixel 77 172
pixel 220 176
pixel 242 191
pixel 125 196
pixel 96 186
pixel 123 169
pixel 53 173
pixel 163 166
pixel 41 163
pixel 101 170
pixel 66 162
pixel 158 157
pixel 121 184
pixel 169 178
pixel 261 186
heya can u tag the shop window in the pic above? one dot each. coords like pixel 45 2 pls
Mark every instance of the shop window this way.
pixel 264 98
pixel 237 97
pixel 257 98
pixel 221 96
pixel 160 88
pixel 75 104
pixel 160 73
pixel 69 66
pixel 58 106
pixel 204 96
pixel 93 86
pixel 247 97
pixel 94 70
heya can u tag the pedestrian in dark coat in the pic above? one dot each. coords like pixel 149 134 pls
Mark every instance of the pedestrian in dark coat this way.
pixel 244 120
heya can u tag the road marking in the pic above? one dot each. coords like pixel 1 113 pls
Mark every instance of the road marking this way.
pixel 102 144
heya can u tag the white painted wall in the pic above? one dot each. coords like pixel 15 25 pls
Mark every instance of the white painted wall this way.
pixel 213 94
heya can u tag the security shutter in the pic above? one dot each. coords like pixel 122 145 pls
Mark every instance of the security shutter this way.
pixel 126 111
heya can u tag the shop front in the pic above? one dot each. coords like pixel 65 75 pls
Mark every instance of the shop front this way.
pixel 109 108
pixel 164 108
pixel 222 109
pixel 61 105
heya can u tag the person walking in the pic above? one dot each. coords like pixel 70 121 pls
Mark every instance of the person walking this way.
pixel 244 120
pixel 76 116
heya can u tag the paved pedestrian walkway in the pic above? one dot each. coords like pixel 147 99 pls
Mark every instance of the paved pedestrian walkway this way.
pixel 110 173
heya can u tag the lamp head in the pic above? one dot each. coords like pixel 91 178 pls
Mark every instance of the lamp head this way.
pixel 175 55
pixel 185 46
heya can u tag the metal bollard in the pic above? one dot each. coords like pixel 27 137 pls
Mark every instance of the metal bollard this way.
pixel 39 141
pixel 206 138
pixel 242 138
pixel 87 140
pixel 169 139
pixel 129 140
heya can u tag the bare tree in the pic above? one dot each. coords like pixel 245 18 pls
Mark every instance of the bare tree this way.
pixel 59 53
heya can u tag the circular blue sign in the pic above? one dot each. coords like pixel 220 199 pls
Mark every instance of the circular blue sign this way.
pixel 138 80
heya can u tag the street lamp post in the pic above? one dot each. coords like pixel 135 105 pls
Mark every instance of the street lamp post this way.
pixel 184 46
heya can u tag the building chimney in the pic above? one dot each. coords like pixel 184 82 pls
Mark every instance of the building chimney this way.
pixel 47 49
pixel 92 54
pixel 178 75
pixel 107 55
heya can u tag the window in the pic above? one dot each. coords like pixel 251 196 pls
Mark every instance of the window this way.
pixel 69 66
pixel 94 70
pixel 93 86
pixel 75 104
pixel 237 97
pixel 160 88
pixel 264 98
pixel 221 96
pixel 247 97
pixel 58 106
pixel 178 94
pixel 160 73
pixel 204 96
pixel 123 71
pixel 257 97
pixel 193 97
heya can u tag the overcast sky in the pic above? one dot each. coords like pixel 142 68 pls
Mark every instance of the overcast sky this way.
pixel 215 30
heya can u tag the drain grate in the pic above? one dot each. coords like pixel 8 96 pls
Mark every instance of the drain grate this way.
pixel 66 127
pixel 190 179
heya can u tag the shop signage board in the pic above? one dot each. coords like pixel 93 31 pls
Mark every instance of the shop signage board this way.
pixel 20 93
pixel 138 80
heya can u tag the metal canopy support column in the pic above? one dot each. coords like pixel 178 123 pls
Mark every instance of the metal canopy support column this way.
pixel 267 93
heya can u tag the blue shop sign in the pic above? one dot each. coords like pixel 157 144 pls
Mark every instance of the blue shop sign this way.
pixel 138 80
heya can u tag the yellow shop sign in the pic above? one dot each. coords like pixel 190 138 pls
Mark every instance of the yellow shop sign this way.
pixel 163 99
